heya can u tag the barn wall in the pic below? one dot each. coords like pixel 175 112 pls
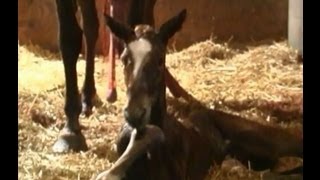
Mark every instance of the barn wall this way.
pixel 244 20
pixel 37 23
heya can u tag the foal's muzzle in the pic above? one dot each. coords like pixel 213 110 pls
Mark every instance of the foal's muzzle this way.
pixel 135 117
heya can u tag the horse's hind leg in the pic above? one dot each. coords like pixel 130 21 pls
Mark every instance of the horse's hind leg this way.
pixel 111 87
pixel 70 38
pixel 90 30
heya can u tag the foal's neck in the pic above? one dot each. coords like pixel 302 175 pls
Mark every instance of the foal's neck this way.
pixel 159 108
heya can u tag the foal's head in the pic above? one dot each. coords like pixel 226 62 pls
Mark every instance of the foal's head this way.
pixel 144 65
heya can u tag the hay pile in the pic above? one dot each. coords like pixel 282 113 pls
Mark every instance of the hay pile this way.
pixel 266 78
pixel 263 83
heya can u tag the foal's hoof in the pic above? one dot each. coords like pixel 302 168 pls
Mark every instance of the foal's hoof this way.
pixel 68 141
pixel 112 95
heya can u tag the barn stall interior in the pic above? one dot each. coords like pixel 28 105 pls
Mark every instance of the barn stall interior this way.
pixel 231 56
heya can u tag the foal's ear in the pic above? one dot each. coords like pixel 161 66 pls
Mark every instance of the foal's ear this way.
pixel 173 25
pixel 120 30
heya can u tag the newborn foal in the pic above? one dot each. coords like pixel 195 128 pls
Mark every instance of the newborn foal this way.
pixel 154 145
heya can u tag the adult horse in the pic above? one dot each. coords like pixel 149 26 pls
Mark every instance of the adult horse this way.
pixel 154 145
pixel 70 40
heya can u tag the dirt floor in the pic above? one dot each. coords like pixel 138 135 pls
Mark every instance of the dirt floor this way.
pixel 262 81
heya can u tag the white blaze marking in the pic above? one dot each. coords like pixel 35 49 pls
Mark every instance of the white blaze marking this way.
pixel 139 49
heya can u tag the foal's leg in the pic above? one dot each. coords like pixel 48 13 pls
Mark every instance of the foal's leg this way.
pixel 175 88
pixel 261 144
pixel 134 150
pixel 90 30
pixel 70 39
pixel 138 169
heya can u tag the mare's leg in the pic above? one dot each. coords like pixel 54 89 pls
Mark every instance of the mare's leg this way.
pixel 70 39
pixel 111 89
pixel 117 10
pixel 90 30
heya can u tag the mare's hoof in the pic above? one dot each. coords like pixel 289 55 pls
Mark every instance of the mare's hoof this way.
pixel 68 141
pixel 112 95
pixel 87 108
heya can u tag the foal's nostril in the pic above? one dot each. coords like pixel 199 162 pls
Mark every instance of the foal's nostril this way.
pixel 134 113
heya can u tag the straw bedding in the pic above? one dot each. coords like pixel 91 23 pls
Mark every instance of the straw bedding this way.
pixel 261 82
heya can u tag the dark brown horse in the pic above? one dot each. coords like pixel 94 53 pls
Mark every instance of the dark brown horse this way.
pixel 70 40
pixel 154 145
